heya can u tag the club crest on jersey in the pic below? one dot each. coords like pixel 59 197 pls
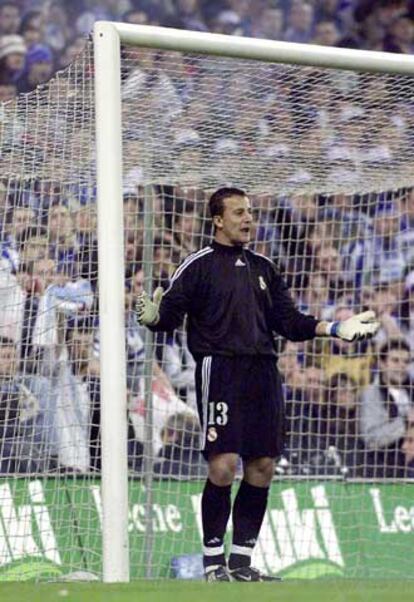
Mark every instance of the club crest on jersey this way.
pixel 211 434
pixel 262 283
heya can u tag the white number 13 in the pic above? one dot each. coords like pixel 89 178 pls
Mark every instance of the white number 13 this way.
pixel 218 413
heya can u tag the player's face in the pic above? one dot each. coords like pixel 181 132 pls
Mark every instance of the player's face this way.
pixel 234 227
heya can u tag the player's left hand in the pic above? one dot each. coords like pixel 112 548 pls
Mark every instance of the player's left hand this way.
pixel 361 326
pixel 147 309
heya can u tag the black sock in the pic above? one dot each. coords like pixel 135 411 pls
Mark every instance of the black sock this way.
pixel 215 512
pixel 248 512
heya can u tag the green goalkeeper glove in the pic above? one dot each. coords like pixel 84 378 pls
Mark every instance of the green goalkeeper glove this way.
pixel 148 310
pixel 358 327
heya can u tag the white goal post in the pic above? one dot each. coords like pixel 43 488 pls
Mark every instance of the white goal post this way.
pixel 107 40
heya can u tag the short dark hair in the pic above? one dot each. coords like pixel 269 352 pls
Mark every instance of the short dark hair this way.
pixel 216 201
pixel 393 343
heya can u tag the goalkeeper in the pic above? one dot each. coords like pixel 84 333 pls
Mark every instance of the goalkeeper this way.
pixel 235 301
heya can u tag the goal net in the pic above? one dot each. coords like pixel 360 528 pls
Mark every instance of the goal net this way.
pixel 325 158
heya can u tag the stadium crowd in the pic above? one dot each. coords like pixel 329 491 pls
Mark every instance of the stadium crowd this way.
pixel 39 37
pixel 350 408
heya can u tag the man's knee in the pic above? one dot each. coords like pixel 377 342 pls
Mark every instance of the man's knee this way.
pixel 222 469
pixel 259 472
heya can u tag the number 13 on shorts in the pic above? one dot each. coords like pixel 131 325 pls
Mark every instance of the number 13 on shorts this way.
pixel 218 413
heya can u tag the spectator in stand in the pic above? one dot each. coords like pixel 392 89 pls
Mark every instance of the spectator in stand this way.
pixel 328 262
pixel 400 36
pixel 85 381
pixel 406 228
pixel 300 22
pixel 135 333
pixel 187 16
pixel 295 218
pixel 303 409
pixel 375 18
pixel 33 244
pixel 12 301
pixel 14 232
pixel 32 27
pixel 58 299
pixel 63 241
pixel 165 404
pixel 292 371
pixel 331 10
pixel 386 259
pixel 132 213
pixel 39 68
pixel 133 249
pixel 360 24
pixel 25 406
pixel 71 51
pixel 137 16
pixel 86 257
pixel 386 408
pixel 326 34
pixel 96 11
pixel 12 59
pixel 31 34
pixel 30 286
pixel 385 299
pixel 180 456
pixel 227 22
pixel 352 221
pixel 269 24
pixel 165 260
pixel 313 299
pixel 342 446
pixel 379 258
pixel 9 18
pixel 187 228
pixel 57 28
pixel 71 419
pixel 328 442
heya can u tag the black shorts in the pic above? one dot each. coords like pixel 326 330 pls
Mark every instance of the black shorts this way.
pixel 241 407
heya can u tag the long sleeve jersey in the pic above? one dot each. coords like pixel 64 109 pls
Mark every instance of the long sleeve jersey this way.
pixel 235 300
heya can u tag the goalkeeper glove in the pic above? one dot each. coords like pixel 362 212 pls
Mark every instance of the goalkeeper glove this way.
pixel 148 310
pixel 358 327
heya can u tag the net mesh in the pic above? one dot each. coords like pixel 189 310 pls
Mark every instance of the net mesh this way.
pixel 326 159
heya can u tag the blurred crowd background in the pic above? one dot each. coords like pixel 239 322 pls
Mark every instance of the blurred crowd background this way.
pixel 350 408
pixel 39 37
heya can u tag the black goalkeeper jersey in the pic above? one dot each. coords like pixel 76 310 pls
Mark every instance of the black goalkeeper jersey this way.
pixel 235 300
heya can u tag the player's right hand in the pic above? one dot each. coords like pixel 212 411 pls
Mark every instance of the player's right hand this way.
pixel 148 310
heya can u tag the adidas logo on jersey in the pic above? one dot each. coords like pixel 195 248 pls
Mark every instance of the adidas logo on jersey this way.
pixel 239 263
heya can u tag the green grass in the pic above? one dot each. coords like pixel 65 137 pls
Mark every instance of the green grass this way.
pixel 178 591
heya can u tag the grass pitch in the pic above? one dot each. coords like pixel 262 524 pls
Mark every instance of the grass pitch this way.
pixel 179 591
